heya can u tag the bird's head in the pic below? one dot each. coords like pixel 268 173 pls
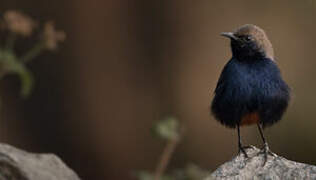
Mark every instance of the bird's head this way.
pixel 249 42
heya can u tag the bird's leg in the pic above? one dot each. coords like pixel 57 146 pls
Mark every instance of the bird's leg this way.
pixel 265 150
pixel 241 149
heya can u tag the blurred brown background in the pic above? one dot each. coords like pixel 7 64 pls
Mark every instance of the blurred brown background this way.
pixel 127 64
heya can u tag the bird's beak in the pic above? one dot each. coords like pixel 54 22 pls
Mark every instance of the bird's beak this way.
pixel 229 35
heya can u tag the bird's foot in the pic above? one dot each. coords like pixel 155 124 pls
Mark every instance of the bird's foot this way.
pixel 266 152
pixel 242 149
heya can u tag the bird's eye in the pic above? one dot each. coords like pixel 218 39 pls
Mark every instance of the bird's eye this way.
pixel 247 38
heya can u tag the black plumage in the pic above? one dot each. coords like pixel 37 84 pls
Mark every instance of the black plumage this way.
pixel 247 87
pixel 250 89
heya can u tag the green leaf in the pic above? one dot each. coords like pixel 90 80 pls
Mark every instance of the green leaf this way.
pixel 194 172
pixel 144 175
pixel 11 65
pixel 167 128
pixel 26 82
pixel 190 172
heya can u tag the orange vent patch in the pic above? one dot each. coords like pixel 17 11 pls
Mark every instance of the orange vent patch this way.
pixel 251 118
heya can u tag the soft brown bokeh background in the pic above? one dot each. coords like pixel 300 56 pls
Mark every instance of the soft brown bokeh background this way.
pixel 126 64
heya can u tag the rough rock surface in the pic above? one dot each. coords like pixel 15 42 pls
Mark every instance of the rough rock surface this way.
pixel 17 164
pixel 275 168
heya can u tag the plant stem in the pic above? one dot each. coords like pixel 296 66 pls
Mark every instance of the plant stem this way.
pixel 35 51
pixel 166 155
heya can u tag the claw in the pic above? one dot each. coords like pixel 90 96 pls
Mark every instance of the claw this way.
pixel 266 152
pixel 242 150
pixel 249 147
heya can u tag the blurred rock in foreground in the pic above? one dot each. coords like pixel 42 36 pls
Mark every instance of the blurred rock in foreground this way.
pixel 252 168
pixel 17 164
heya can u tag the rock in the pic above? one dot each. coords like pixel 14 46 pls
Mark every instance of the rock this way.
pixel 17 164
pixel 275 168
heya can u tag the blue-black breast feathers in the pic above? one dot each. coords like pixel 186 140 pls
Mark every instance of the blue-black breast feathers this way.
pixel 250 87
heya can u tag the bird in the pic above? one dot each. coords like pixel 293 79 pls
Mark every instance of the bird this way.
pixel 250 89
